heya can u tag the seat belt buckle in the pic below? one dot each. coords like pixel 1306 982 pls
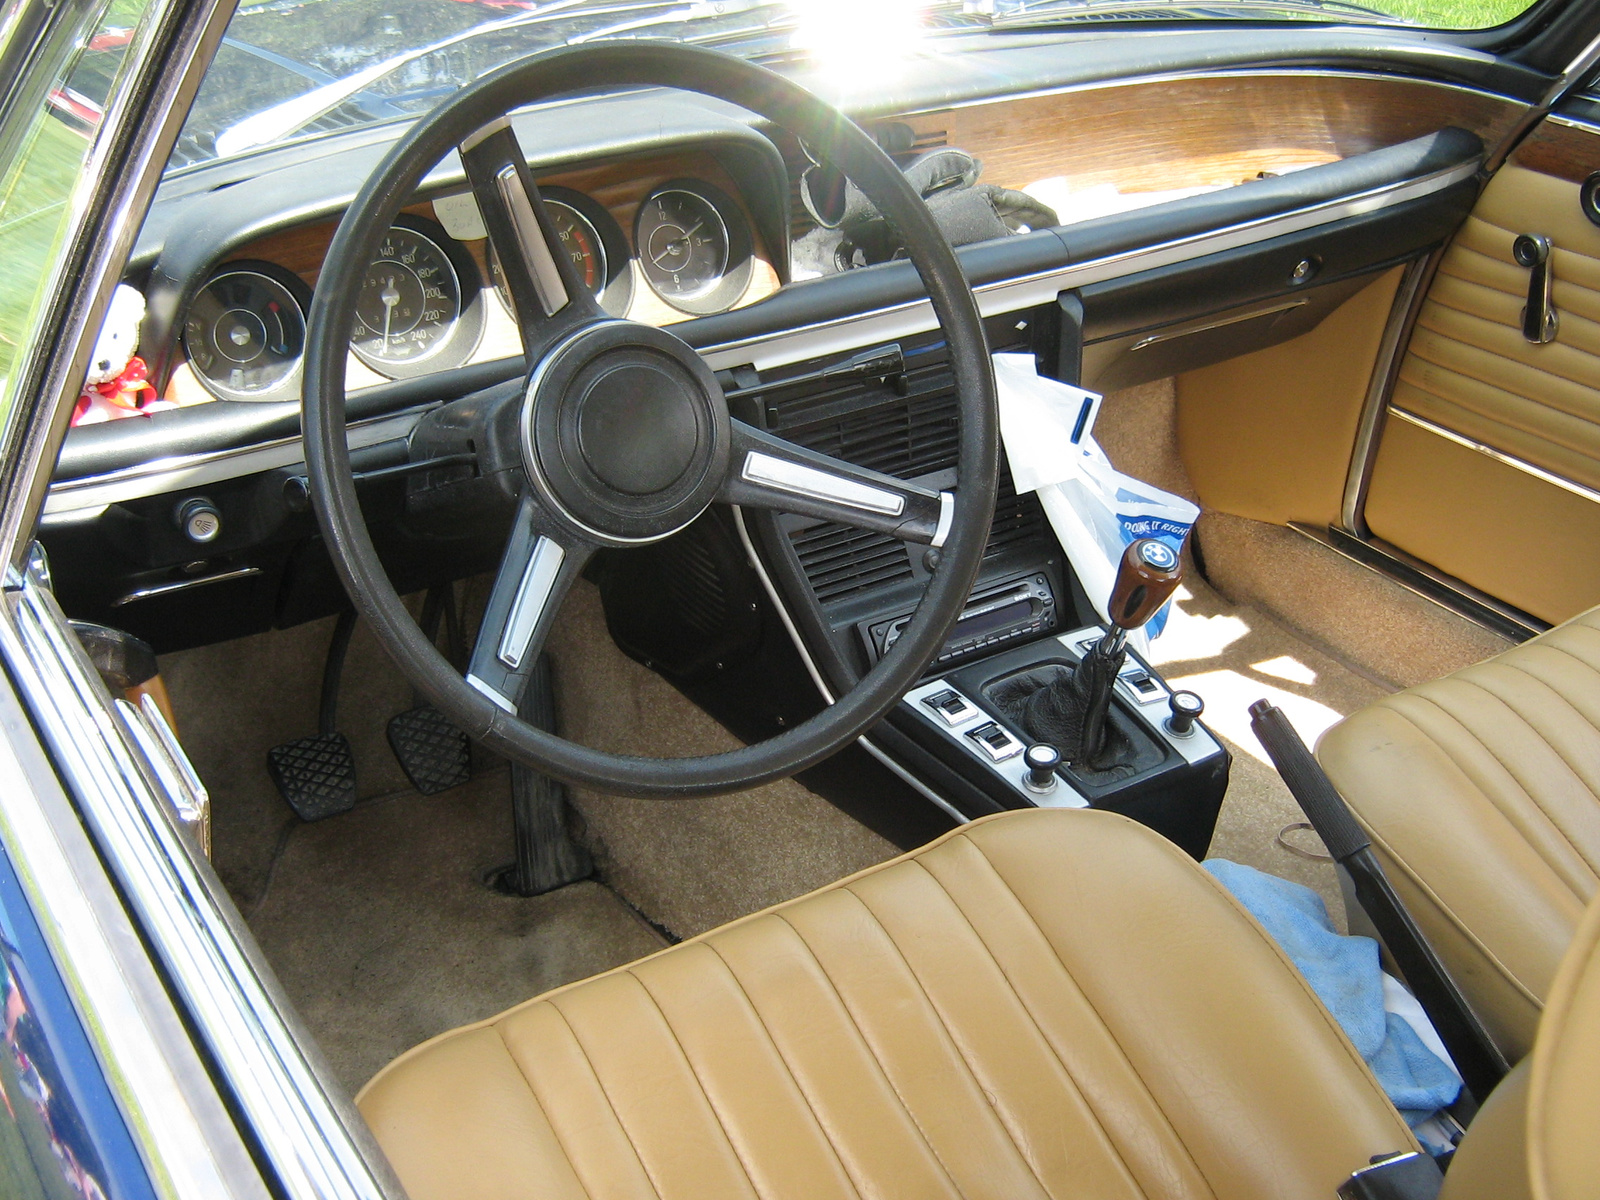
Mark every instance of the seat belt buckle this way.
pixel 1407 1176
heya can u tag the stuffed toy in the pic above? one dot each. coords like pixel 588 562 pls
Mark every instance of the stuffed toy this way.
pixel 117 385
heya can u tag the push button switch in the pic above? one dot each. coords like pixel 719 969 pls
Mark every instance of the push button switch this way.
pixel 995 742
pixel 951 706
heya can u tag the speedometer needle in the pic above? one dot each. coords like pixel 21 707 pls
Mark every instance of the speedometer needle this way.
pixel 390 297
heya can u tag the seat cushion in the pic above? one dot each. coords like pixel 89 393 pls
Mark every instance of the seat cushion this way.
pixel 1043 1003
pixel 1481 792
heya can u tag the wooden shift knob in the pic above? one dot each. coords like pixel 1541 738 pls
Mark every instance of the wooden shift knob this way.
pixel 1148 574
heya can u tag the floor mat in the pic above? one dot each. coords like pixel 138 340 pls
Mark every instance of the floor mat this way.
pixel 383 934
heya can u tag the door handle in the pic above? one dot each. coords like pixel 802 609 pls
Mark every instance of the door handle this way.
pixel 1539 320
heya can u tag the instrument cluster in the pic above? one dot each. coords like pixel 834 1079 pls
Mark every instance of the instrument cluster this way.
pixel 424 306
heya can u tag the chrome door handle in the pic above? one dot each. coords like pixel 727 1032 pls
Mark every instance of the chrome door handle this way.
pixel 1539 320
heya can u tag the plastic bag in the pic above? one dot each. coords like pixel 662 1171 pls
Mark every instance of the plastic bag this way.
pixel 1095 510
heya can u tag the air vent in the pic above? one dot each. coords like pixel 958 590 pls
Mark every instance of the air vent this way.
pixel 694 584
pixel 901 435
pixel 1016 518
pixel 840 561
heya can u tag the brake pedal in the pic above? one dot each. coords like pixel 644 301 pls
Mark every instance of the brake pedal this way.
pixel 316 775
pixel 434 754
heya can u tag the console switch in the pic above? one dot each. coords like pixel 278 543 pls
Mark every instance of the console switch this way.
pixel 951 705
pixel 995 742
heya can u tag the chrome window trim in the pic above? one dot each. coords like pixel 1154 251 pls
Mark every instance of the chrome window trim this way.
pixel 307 1130
pixel 186 1136
pixel 1573 122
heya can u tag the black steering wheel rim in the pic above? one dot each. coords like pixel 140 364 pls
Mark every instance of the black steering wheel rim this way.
pixel 827 133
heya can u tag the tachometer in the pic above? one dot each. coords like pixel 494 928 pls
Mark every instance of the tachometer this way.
pixel 245 331
pixel 419 307
pixel 693 246
pixel 594 243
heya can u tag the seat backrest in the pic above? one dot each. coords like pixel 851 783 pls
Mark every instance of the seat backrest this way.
pixel 1564 1092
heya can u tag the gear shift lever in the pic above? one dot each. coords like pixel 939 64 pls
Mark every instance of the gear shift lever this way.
pixel 1148 574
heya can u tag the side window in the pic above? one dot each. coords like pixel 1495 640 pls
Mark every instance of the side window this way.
pixel 45 140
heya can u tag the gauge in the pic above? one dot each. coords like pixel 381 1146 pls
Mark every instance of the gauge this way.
pixel 420 307
pixel 245 331
pixel 693 246
pixel 594 243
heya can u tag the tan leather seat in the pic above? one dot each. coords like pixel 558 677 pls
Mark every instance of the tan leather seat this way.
pixel 1481 792
pixel 1041 1004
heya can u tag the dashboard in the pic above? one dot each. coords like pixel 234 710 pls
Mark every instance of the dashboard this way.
pixel 656 239
pixel 1203 213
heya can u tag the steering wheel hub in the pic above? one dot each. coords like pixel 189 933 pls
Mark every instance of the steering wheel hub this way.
pixel 625 432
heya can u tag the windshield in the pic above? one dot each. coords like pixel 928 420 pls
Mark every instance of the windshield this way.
pixel 295 68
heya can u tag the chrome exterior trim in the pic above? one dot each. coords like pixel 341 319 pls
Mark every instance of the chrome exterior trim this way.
pixel 314 1142
pixel 1030 291
pixel 533 596
pixel 185 1133
pixel 1408 298
pixel 1573 122
pixel 1574 74
pixel 184 585
pixel 798 479
pixel 95 492
pixel 1499 456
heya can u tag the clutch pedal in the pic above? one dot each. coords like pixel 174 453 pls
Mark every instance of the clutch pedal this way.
pixel 316 775
pixel 434 754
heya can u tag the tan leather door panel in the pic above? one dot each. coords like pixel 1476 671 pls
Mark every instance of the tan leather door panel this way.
pixel 1489 466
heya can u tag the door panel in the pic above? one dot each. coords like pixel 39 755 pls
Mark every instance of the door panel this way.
pixel 1489 464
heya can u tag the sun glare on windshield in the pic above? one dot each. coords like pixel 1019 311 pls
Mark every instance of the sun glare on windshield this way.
pixel 850 41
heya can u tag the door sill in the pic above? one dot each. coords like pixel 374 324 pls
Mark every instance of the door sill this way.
pixel 1428 582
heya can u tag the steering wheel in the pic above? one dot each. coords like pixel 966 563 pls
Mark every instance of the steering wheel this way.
pixel 619 435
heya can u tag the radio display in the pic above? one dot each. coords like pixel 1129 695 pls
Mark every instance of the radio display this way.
pixel 997 618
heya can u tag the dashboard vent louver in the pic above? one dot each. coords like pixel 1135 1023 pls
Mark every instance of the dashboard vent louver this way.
pixel 902 435
pixel 840 561
pixel 1016 518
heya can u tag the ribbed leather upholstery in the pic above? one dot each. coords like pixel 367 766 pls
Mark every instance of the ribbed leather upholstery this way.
pixel 1042 1004
pixel 1481 792
pixel 1468 367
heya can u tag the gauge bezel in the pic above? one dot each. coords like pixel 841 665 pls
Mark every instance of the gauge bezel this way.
pixel 616 295
pixel 735 279
pixel 288 388
pixel 466 331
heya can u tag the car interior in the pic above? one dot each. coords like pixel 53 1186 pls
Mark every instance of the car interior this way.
pixel 1338 291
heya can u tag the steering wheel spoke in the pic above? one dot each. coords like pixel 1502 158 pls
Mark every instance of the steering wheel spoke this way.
pixel 768 472
pixel 536 572
pixel 543 283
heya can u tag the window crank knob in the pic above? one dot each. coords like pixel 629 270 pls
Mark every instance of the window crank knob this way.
pixel 1185 709
pixel 1042 759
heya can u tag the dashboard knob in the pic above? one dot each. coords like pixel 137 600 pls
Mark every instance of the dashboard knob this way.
pixel 1042 759
pixel 200 520
pixel 1185 709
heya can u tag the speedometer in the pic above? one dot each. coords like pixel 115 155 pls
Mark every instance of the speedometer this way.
pixel 419 307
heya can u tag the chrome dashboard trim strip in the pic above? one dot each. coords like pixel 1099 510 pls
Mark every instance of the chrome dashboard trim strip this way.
pixel 95 492
pixel 1573 123
pixel 308 1134
pixel 1030 291
pixel 183 585
pixel 88 495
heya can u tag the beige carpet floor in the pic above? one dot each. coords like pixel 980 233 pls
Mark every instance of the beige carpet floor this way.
pixel 383 934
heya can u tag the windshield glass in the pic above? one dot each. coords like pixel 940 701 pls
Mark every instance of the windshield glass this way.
pixel 294 68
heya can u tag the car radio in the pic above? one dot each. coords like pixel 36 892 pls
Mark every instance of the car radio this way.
pixel 995 615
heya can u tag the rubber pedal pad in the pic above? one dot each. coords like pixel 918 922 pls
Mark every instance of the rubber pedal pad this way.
pixel 434 754
pixel 316 775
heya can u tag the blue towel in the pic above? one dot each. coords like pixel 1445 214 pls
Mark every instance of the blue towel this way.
pixel 1346 975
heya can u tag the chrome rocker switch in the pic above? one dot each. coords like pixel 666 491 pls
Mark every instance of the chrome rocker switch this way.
pixel 995 742
pixel 951 706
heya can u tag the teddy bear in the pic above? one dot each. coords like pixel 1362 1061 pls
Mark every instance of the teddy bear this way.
pixel 117 385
